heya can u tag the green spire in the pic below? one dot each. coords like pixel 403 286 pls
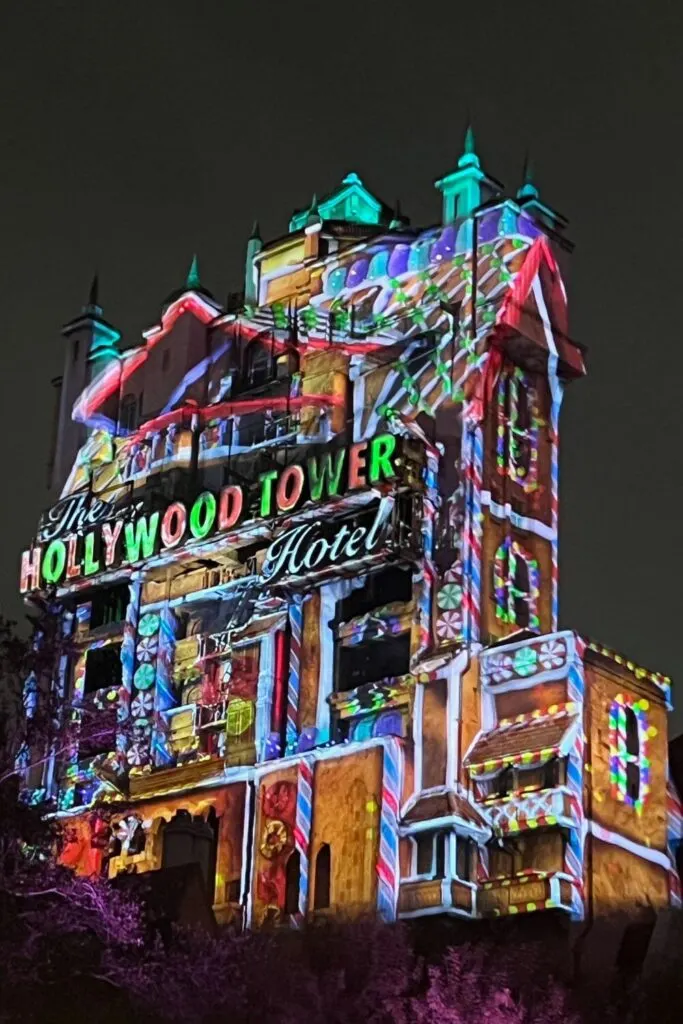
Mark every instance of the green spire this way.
pixel 469 156
pixel 527 189
pixel 192 280
pixel 313 213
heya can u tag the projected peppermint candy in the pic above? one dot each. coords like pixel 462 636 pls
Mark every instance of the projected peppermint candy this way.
pixel 144 677
pixel 449 625
pixel 147 648
pixel 142 705
pixel 148 625
pixel 138 754
pixel 449 597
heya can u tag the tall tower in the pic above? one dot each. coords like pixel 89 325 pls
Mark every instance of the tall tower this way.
pixel 91 344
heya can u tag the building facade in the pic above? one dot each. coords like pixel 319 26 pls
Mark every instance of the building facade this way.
pixel 304 550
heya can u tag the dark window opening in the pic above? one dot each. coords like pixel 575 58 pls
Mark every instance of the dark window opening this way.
pixel 137 841
pixel 321 895
pixel 102 668
pixel 128 414
pixel 257 364
pixel 292 878
pixel 522 590
pixel 440 866
pixel 395 583
pixel 424 842
pixel 165 360
pixel 633 752
pixel 372 661
pixel 506 782
pixel 464 858
pixel 632 741
pixel 109 606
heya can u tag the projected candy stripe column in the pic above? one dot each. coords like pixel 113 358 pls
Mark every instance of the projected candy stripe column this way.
pixel 127 666
pixel 302 829
pixel 163 695
pixel 387 865
pixel 296 618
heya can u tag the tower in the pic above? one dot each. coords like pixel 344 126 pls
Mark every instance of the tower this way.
pixel 91 345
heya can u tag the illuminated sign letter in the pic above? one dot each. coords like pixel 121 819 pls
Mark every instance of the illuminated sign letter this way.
pixel 110 537
pixel 357 465
pixel 173 524
pixel 54 561
pixel 381 450
pixel 326 475
pixel 140 537
pixel 30 569
pixel 267 491
pixel 90 563
pixel 230 507
pixel 202 515
pixel 73 568
pixel 289 488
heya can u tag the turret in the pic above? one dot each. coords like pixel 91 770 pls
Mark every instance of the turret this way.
pixel 528 197
pixel 254 246
pixel 91 343
pixel 468 187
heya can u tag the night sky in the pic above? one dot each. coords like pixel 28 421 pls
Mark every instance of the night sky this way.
pixel 134 134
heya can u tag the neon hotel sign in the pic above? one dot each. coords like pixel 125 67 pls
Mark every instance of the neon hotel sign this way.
pixel 78 540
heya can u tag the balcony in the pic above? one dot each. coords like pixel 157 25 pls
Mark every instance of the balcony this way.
pixel 524 893
pixel 535 810
pixel 434 895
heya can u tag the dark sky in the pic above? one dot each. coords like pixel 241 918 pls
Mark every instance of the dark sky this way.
pixel 136 133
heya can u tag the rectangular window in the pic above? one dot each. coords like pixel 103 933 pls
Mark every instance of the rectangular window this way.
pixel 464 858
pixel 372 661
pixel 425 853
pixel 395 583
pixel 102 668
pixel 109 606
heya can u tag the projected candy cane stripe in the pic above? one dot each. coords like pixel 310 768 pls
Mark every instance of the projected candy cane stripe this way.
pixel 387 865
pixel 163 694
pixel 302 830
pixel 474 455
pixel 573 861
pixel 127 665
pixel 296 618
pixel 554 508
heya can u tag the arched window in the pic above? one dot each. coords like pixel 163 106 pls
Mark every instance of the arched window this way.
pixel 629 762
pixel 292 879
pixel 257 364
pixel 633 755
pixel 517 428
pixel 128 414
pixel 323 867
pixel 516 585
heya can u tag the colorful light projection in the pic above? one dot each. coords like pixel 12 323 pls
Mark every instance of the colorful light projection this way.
pixel 628 742
pixel 128 540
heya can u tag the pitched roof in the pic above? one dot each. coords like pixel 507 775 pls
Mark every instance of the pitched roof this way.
pixel 511 742
pixel 443 805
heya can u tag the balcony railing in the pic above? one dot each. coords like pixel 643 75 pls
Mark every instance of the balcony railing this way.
pixel 525 892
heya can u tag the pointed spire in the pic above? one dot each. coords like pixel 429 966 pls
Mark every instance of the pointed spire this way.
pixel 94 288
pixel 397 221
pixel 255 231
pixel 527 190
pixel 469 156
pixel 314 213
pixel 192 280
pixel 92 307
